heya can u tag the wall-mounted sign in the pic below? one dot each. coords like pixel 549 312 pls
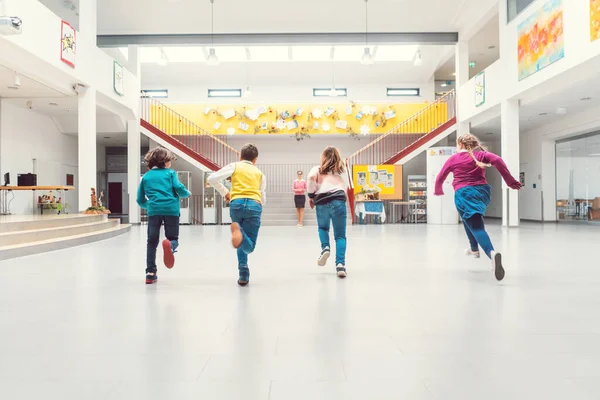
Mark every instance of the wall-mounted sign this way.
pixel 479 89
pixel 68 41
pixel 118 79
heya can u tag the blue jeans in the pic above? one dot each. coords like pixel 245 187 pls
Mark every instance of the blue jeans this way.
pixel 477 235
pixel 171 232
pixel 246 212
pixel 334 213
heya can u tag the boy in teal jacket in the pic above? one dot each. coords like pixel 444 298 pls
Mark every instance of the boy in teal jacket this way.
pixel 159 192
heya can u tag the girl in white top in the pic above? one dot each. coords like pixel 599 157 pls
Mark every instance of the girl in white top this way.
pixel 327 186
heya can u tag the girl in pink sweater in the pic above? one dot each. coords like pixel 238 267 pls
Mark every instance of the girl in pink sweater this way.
pixel 472 193
pixel 299 188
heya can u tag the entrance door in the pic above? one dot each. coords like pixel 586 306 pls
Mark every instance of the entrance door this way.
pixel 115 197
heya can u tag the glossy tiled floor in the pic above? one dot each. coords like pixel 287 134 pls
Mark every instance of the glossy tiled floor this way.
pixel 414 320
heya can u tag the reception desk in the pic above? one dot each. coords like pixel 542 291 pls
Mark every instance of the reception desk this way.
pixel 4 190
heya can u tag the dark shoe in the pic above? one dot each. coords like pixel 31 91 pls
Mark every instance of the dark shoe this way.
pixel 322 260
pixel 169 258
pixel 497 264
pixel 341 271
pixel 236 235
pixel 244 278
pixel 151 278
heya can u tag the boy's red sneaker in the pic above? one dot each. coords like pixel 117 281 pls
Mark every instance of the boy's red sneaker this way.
pixel 169 258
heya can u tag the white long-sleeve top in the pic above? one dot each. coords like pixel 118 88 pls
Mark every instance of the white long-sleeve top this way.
pixel 321 186
pixel 216 178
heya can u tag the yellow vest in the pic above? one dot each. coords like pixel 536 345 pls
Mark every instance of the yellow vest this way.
pixel 246 181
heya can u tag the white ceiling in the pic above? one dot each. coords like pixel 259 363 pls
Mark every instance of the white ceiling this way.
pixel 28 88
pixel 65 9
pixel 267 16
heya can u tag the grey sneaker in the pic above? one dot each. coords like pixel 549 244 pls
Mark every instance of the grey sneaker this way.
pixel 497 264
pixel 322 260
pixel 341 271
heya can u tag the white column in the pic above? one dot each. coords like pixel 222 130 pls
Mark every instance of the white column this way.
pixel 509 122
pixel 86 116
pixel 462 77
pixel 133 168
pixel 88 21
pixel 133 60
pixel 549 180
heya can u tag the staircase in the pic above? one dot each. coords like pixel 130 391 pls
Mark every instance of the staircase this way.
pixel 280 211
pixel 186 139
pixel 408 139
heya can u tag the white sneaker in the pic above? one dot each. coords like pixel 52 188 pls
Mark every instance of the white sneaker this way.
pixel 322 260
pixel 497 265
pixel 471 253
pixel 341 271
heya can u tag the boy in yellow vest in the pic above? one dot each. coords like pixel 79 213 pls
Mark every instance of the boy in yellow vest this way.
pixel 247 196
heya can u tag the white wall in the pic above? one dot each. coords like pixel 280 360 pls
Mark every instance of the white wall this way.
pixel 25 135
pixel 295 93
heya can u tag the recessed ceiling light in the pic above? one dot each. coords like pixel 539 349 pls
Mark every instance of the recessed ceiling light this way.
pixel 490 133
pixel 585 98
pixel 53 104
pixel 492 47
pixel 542 114
pixel 561 111
pixel 106 137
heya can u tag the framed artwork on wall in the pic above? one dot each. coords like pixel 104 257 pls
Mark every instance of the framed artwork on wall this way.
pixel 68 44
pixel 118 79
pixel 480 89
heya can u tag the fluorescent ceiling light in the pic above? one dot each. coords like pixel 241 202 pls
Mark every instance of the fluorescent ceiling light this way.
pixel 189 54
pixel 311 53
pixel 391 53
pixel 349 53
pixel 269 53
pixel 224 92
pixel 367 58
pixel 212 57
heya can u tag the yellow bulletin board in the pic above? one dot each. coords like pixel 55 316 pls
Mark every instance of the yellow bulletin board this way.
pixel 349 118
pixel 388 178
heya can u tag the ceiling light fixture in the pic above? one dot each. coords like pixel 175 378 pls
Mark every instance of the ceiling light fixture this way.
pixel 17 82
pixel 561 111
pixel 248 92
pixel 212 54
pixel 367 58
pixel 53 104
pixel 542 114
pixel 586 98
pixel 418 59
pixel 162 61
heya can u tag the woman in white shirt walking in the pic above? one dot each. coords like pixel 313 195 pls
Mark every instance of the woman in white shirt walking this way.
pixel 327 186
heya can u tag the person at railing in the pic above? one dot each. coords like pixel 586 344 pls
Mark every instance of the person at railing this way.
pixel 159 192
pixel 472 193
pixel 299 187
pixel 327 186
pixel 247 196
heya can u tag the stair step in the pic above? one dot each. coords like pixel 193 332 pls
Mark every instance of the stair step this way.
pixel 14 223
pixel 30 248
pixel 36 235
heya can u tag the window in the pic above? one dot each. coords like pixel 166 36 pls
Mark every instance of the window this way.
pixel 515 7
pixel 157 94
pixel 403 92
pixel 224 92
pixel 326 92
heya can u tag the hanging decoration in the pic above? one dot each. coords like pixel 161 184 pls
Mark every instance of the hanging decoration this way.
pixel 68 40
pixel 317 113
pixel 365 130
pixel 231 131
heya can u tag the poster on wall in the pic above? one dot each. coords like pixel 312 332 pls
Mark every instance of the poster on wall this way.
pixel 118 79
pixel 479 89
pixel 541 39
pixel 381 177
pixel 68 41
pixel 594 19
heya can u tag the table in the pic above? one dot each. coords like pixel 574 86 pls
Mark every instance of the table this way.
pixel 5 204
pixel 370 207
pixel 411 217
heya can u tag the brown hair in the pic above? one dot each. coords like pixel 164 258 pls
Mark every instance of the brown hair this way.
pixel 470 143
pixel 158 157
pixel 331 162
pixel 249 152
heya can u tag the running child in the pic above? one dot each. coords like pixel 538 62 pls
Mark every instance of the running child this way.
pixel 472 193
pixel 327 186
pixel 159 192
pixel 247 196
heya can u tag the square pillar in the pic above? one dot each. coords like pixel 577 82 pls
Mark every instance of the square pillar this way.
pixel 133 60
pixel 509 122
pixel 88 21
pixel 462 77
pixel 548 180
pixel 133 168
pixel 86 144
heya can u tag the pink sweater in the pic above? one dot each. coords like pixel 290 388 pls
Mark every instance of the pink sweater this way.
pixel 299 187
pixel 467 173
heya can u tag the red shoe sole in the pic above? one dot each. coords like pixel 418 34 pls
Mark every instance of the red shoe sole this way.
pixel 150 281
pixel 169 258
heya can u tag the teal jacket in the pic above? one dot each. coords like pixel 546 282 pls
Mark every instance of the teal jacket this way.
pixel 159 192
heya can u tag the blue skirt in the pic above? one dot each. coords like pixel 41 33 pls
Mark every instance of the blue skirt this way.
pixel 472 200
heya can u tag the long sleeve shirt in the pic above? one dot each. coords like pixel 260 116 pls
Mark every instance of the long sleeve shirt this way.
pixel 159 192
pixel 216 179
pixel 328 187
pixel 467 173
pixel 299 187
